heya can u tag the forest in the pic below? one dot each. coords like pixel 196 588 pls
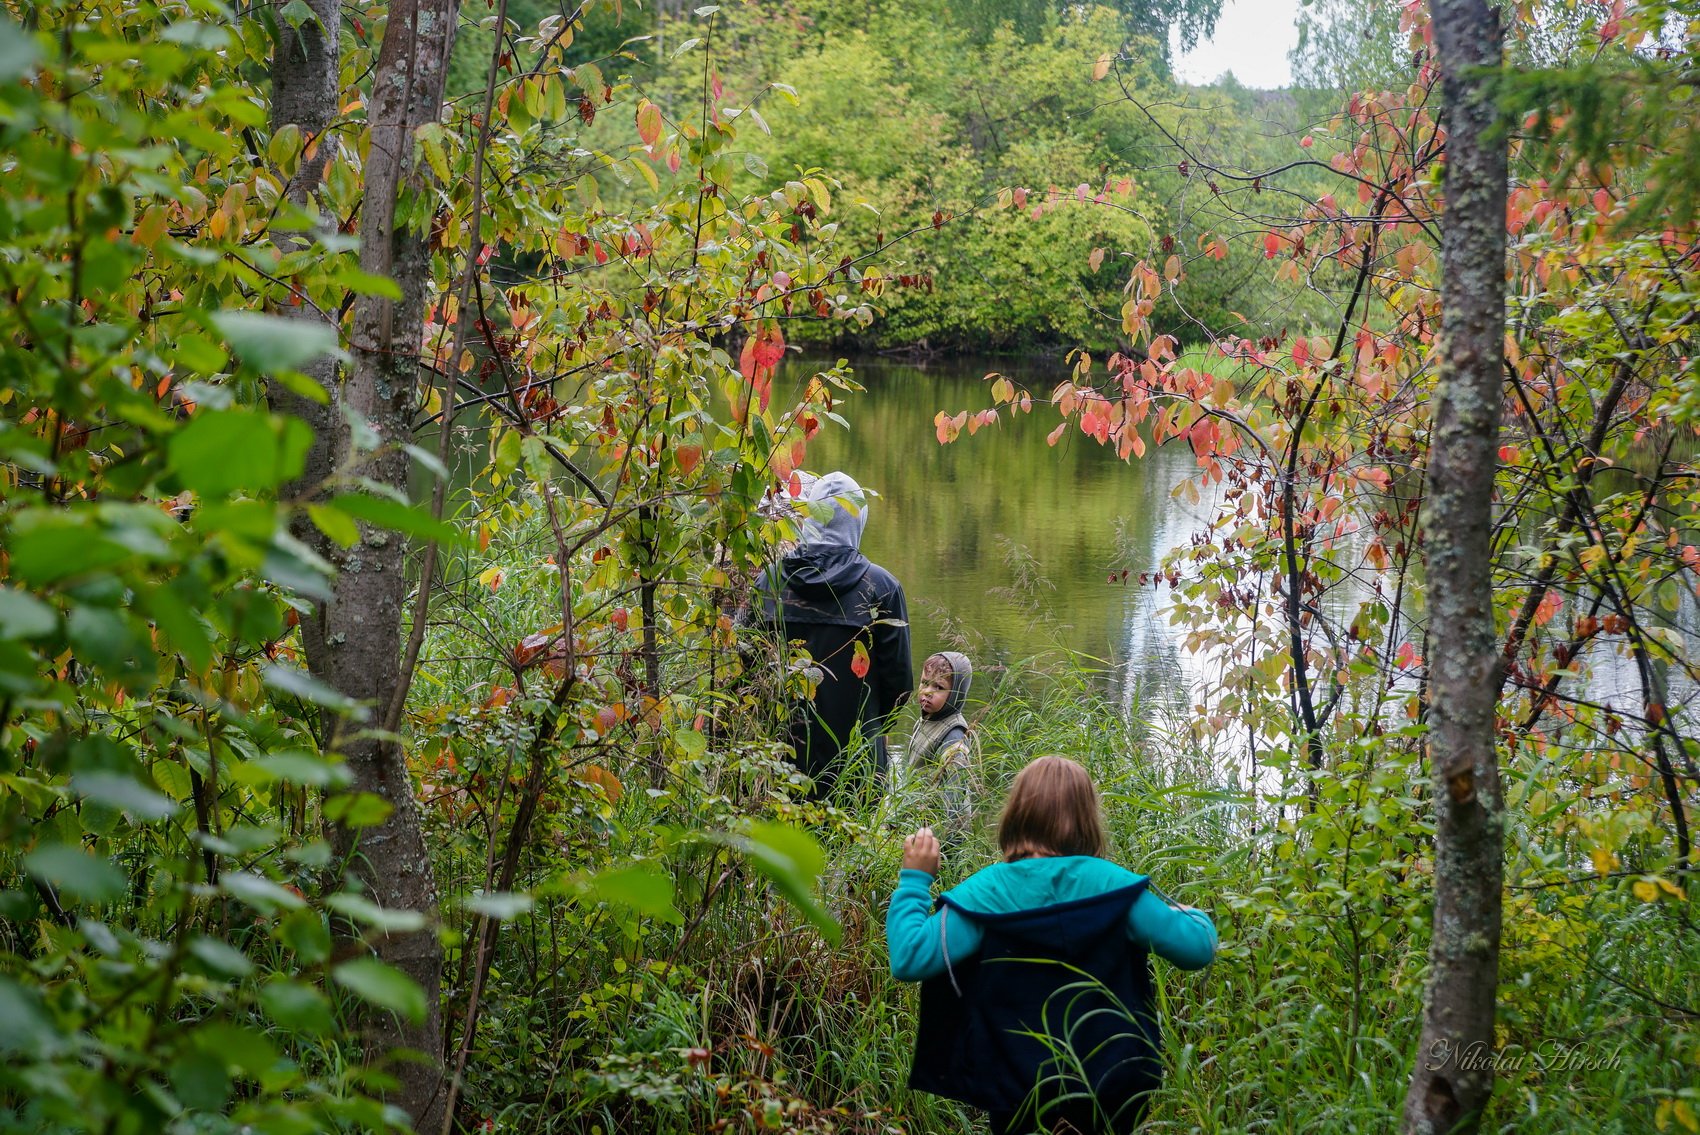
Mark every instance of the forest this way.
pixel 404 403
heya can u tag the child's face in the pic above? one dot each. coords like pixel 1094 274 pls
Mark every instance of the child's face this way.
pixel 934 691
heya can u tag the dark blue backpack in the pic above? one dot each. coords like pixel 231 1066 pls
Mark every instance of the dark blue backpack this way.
pixel 1053 1019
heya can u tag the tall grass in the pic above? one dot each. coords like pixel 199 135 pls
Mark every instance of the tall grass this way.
pixel 729 1011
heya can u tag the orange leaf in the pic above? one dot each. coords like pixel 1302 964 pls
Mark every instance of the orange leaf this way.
pixel 648 122
pixel 859 661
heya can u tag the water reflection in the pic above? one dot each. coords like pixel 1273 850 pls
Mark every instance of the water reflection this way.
pixel 1004 544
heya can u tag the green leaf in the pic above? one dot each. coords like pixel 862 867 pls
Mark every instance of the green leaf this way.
pixel 104 638
pixel 55 549
pixel 363 910
pixel 503 906
pixel 303 768
pixel 303 685
pixel 305 933
pixel 201 355
pixel 200 1081
pixel 338 525
pixel 792 861
pixel 297 1007
pixel 221 957
pixel 221 451
pixel 369 284
pixel 270 343
pixel 509 450
pixel 180 627
pixel 22 615
pixel 76 872
pixel 124 794
pixel 384 986
pixel 398 517
pixel 642 887
pixel 259 892
pixel 17 51
pixel 358 809
pixel 25 1027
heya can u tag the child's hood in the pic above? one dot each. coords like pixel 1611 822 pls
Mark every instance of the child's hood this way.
pixel 1004 888
pixel 961 677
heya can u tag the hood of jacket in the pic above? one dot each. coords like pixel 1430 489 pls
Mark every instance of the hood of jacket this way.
pixel 1004 888
pixel 823 571
pixel 961 678
pixel 834 509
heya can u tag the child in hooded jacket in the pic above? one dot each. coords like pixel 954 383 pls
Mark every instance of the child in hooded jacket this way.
pixel 940 755
pixel 1037 1002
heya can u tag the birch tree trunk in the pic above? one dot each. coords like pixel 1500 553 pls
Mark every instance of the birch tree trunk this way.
pixel 353 640
pixel 1453 1075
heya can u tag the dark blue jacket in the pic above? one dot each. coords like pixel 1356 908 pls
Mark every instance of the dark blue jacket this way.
pixel 1053 1016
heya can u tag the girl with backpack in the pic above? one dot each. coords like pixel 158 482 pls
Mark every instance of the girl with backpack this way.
pixel 1037 1002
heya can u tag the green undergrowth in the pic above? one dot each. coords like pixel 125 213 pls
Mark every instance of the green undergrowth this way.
pixel 665 976
pixel 718 1006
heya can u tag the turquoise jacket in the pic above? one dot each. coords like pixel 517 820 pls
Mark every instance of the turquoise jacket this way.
pixel 923 940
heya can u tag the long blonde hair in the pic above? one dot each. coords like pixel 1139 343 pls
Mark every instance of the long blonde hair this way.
pixel 1052 810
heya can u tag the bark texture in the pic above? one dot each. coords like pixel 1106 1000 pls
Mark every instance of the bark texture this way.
pixel 353 640
pixel 1453 1074
pixel 305 82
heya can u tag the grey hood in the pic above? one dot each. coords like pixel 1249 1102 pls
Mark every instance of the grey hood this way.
pixel 961 677
pixel 842 528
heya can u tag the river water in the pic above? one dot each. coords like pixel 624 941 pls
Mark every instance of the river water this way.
pixel 1004 544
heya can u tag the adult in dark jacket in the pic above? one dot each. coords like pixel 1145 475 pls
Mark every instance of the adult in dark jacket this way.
pixel 829 597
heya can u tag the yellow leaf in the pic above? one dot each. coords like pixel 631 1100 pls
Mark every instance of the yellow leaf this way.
pixel 1645 891
pixel 152 227
pixel 1592 555
pixel 1102 67
pixel 1661 1118
pixel 1604 859
pixel 1685 1115
pixel 1670 888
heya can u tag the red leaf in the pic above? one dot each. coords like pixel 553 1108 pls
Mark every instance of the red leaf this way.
pixel 529 647
pixel 648 122
pixel 620 619
pixel 859 661
pixel 1271 244
pixel 688 457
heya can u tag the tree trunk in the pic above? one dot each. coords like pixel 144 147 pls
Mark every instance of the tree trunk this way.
pixel 305 80
pixel 353 641
pixel 1453 1074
